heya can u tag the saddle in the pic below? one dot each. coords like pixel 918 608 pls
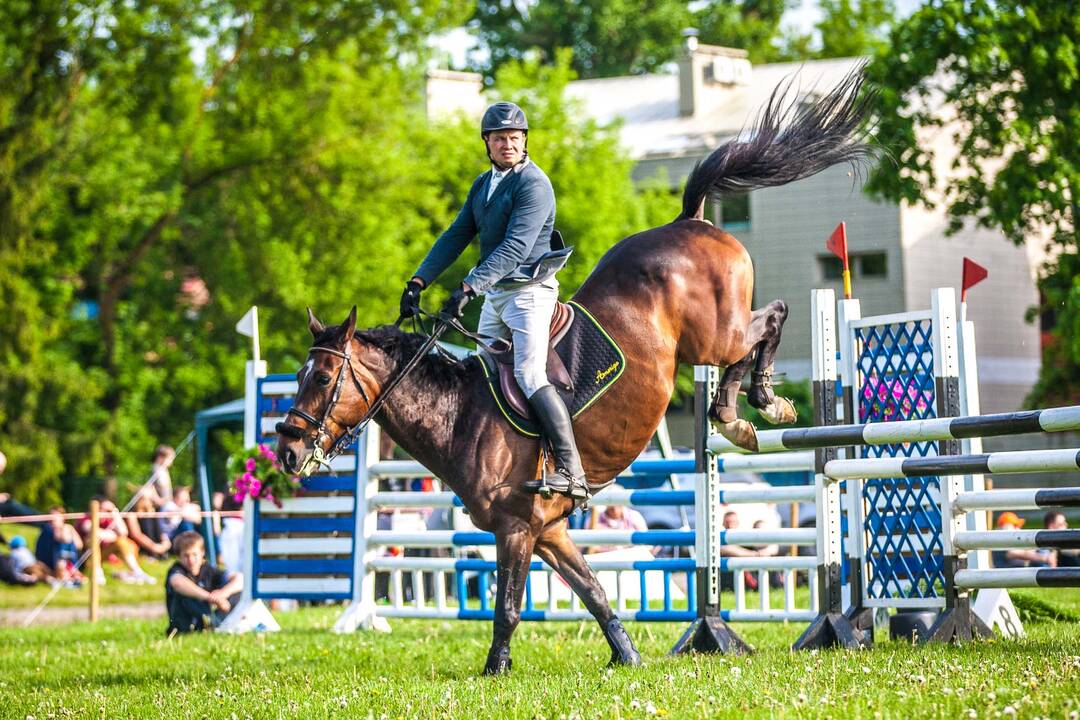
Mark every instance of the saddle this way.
pixel 501 361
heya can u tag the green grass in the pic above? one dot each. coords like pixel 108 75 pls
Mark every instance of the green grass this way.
pixel 429 669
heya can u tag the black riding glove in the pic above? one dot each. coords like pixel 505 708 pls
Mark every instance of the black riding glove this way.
pixel 455 304
pixel 410 299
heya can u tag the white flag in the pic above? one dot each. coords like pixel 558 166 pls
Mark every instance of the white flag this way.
pixel 249 324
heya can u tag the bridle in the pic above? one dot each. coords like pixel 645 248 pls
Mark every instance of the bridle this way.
pixel 324 457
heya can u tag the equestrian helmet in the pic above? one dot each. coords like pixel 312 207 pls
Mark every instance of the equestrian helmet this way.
pixel 503 116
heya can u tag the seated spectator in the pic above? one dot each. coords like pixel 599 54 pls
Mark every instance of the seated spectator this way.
pixel 183 514
pixel 615 517
pixel 1055 520
pixel 198 596
pixel 1018 558
pixel 25 563
pixel 146 531
pixel 58 547
pixel 731 522
pixel 10 576
pixel 113 540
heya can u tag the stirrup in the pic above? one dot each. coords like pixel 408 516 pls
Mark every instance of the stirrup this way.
pixel 564 484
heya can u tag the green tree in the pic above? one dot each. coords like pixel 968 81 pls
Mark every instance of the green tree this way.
pixel 623 37
pixel 606 37
pixel 133 173
pixel 752 25
pixel 1004 81
pixel 852 28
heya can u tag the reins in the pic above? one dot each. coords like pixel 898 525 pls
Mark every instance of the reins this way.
pixel 441 324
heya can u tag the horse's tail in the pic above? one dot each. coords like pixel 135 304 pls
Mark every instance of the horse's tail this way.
pixel 789 141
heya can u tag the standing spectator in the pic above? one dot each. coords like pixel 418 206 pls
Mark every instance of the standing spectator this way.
pixel 1055 520
pixel 113 539
pixel 59 546
pixel 160 479
pixel 198 596
pixel 146 531
pixel 1009 520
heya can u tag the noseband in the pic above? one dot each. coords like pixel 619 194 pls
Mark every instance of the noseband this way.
pixel 321 430
pixel 318 455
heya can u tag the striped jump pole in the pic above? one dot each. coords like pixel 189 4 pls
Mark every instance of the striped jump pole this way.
pixel 1060 419
pixel 1019 578
pixel 999 463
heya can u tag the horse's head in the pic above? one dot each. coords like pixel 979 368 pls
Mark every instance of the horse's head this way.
pixel 335 391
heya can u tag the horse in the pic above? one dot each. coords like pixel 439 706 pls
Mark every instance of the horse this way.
pixel 679 293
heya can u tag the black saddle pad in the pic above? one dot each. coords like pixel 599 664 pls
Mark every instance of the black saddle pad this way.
pixel 593 360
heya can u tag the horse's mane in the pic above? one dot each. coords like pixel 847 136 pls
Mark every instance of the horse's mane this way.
pixel 434 372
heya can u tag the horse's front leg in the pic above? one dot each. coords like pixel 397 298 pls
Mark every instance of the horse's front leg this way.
pixel 514 549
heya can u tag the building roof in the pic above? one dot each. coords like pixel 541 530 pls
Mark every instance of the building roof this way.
pixel 649 105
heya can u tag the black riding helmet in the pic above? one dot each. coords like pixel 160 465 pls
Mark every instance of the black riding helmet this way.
pixel 503 116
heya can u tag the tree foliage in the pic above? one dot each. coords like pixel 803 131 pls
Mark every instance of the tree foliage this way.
pixel 164 166
pixel 853 28
pixel 622 37
pixel 1004 81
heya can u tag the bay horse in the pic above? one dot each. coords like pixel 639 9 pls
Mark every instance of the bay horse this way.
pixel 677 293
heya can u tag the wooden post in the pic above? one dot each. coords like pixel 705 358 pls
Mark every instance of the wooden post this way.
pixel 95 560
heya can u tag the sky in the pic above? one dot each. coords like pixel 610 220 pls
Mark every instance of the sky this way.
pixel 803 16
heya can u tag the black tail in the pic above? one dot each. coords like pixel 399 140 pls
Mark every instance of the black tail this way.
pixel 790 141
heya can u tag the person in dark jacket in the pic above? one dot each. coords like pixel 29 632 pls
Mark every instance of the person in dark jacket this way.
pixel 511 207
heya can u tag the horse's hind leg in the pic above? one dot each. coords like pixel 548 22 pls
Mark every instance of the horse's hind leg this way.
pixel 514 555
pixel 777 410
pixel 557 549
pixel 763 337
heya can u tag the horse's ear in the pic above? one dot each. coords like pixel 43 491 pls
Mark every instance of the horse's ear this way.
pixel 350 324
pixel 313 324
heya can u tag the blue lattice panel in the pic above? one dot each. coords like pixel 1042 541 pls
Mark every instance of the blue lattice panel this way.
pixel 305 549
pixel 902 519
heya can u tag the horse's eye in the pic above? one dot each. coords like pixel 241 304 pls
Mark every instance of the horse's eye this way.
pixel 323 379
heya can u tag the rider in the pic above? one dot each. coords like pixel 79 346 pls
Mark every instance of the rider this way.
pixel 512 208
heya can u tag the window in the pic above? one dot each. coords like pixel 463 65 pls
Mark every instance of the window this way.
pixel 873 265
pixel 735 212
pixel 830 266
pixel 870 266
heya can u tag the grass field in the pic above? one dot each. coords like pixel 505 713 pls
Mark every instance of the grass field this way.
pixel 429 670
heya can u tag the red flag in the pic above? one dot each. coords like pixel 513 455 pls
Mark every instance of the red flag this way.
pixel 837 243
pixel 974 273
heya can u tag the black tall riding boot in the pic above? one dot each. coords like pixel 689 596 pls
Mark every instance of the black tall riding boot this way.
pixel 555 421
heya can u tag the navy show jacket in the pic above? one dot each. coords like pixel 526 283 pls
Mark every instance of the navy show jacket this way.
pixel 515 228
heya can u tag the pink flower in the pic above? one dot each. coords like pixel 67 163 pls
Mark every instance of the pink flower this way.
pixel 266 452
pixel 256 486
pixel 250 465
pixel 238 497
pixel 247 477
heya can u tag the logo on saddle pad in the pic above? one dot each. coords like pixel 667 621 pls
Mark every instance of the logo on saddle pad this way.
pixel 602 374
pixel 593 363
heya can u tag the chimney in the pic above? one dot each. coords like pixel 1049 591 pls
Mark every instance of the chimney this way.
pixel 703 69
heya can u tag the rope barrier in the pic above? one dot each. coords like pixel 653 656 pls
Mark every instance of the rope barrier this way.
pixel 25 519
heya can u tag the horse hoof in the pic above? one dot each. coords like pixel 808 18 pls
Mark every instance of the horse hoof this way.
pixel 632 659
pixel 498 663
pixel 741 433
pixel 780 411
